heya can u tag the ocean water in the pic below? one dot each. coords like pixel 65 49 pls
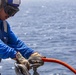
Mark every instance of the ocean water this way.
pixel 48 27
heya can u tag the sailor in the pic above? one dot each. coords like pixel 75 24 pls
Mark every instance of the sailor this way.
pixel 10 45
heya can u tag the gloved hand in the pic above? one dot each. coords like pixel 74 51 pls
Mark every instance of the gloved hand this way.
pixel 21 69
pixel 21 60
pixel 35 59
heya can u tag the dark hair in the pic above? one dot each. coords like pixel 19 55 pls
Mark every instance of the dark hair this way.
pixel 2 3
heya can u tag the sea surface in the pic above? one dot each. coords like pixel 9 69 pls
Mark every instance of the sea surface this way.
pixel 49 27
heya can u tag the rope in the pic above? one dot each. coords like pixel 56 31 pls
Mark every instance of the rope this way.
pixel 60 62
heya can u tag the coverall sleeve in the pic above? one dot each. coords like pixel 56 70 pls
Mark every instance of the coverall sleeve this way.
pixel 6 51
pixel 18 45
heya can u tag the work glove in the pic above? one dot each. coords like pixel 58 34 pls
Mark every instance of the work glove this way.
pixel 21 60
pixel 36 60
pixel 21 69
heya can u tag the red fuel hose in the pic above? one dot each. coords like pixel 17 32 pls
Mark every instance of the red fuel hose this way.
pixel 60 62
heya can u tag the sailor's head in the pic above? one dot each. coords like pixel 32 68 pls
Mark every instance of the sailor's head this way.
pixel 8 8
